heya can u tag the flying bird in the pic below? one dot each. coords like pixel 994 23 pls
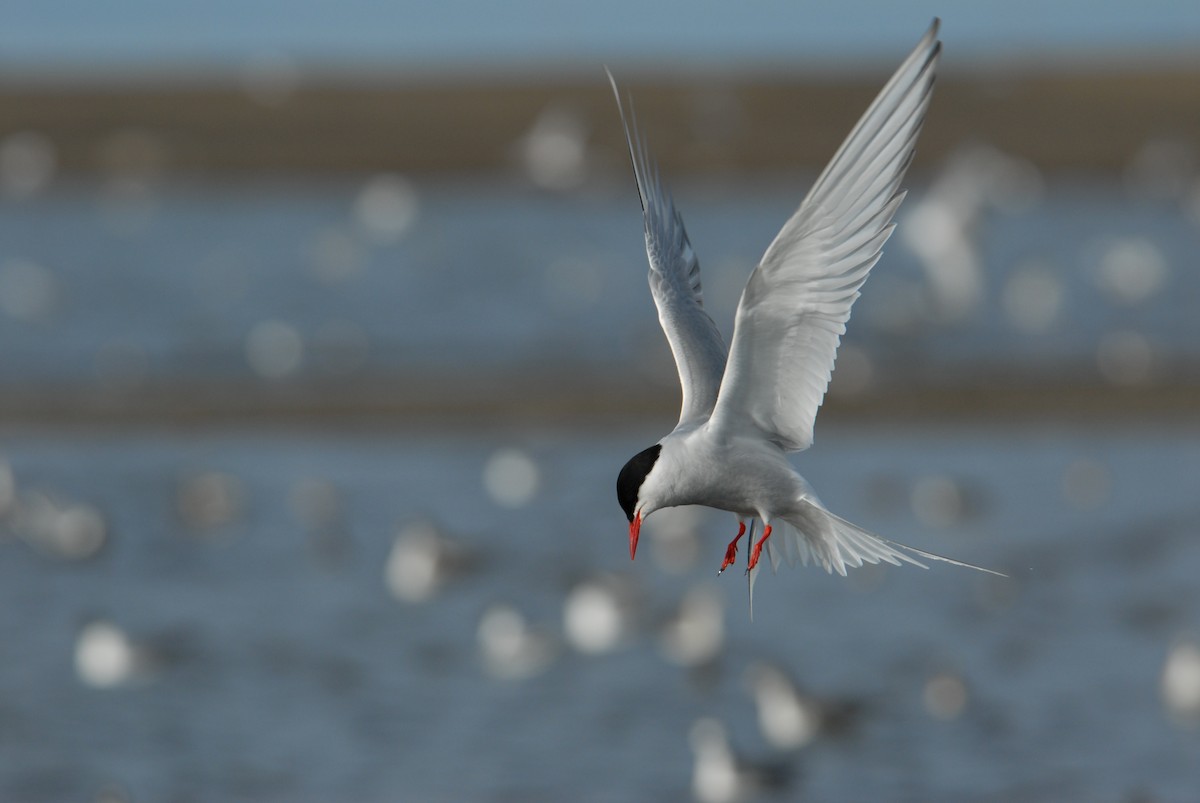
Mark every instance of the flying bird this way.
pixel 746 407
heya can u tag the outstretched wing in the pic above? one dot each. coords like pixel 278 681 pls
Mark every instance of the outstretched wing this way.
pixel 695 341
pixel 794 308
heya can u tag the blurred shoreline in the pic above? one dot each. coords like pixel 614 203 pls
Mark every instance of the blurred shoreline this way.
pixel 1091 120
pixel 1076 278
pixel 527 399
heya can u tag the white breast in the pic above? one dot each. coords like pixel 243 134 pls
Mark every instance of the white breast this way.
pixel 746 476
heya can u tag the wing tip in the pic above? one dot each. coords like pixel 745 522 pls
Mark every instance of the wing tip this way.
pixel 930 45
pixel 612 81
pixel 633 140
pixel 931 34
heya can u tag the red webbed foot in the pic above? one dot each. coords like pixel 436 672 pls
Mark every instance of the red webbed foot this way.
pixel 756 553
pixel 731 550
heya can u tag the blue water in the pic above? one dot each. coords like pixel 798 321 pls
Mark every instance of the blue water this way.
pixel 469 36
pixel 246 567
pixel 286 671
pixel 491 278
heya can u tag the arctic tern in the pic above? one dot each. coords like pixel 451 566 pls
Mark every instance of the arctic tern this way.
pixel 746 407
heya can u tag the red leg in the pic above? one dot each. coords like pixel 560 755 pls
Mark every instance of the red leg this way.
pixel 754 556
pixel 731 550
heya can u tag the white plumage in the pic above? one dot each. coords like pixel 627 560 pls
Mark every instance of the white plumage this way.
pixel 746 407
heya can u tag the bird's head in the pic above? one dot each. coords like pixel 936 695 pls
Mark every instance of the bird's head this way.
pixel 630 483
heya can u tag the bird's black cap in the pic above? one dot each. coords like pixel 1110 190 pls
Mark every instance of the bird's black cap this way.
pixel 629 481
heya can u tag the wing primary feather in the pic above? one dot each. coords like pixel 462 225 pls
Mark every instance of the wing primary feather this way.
pixel 633 155
pixel 796 303
pixel 696 343
pixel 928 57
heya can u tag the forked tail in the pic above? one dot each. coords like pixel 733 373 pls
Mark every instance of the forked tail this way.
pixel 816 536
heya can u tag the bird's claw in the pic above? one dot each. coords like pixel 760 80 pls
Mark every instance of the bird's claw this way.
pixel 731 550
pixel 754 556
pixel 756 553
pixel 730 557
